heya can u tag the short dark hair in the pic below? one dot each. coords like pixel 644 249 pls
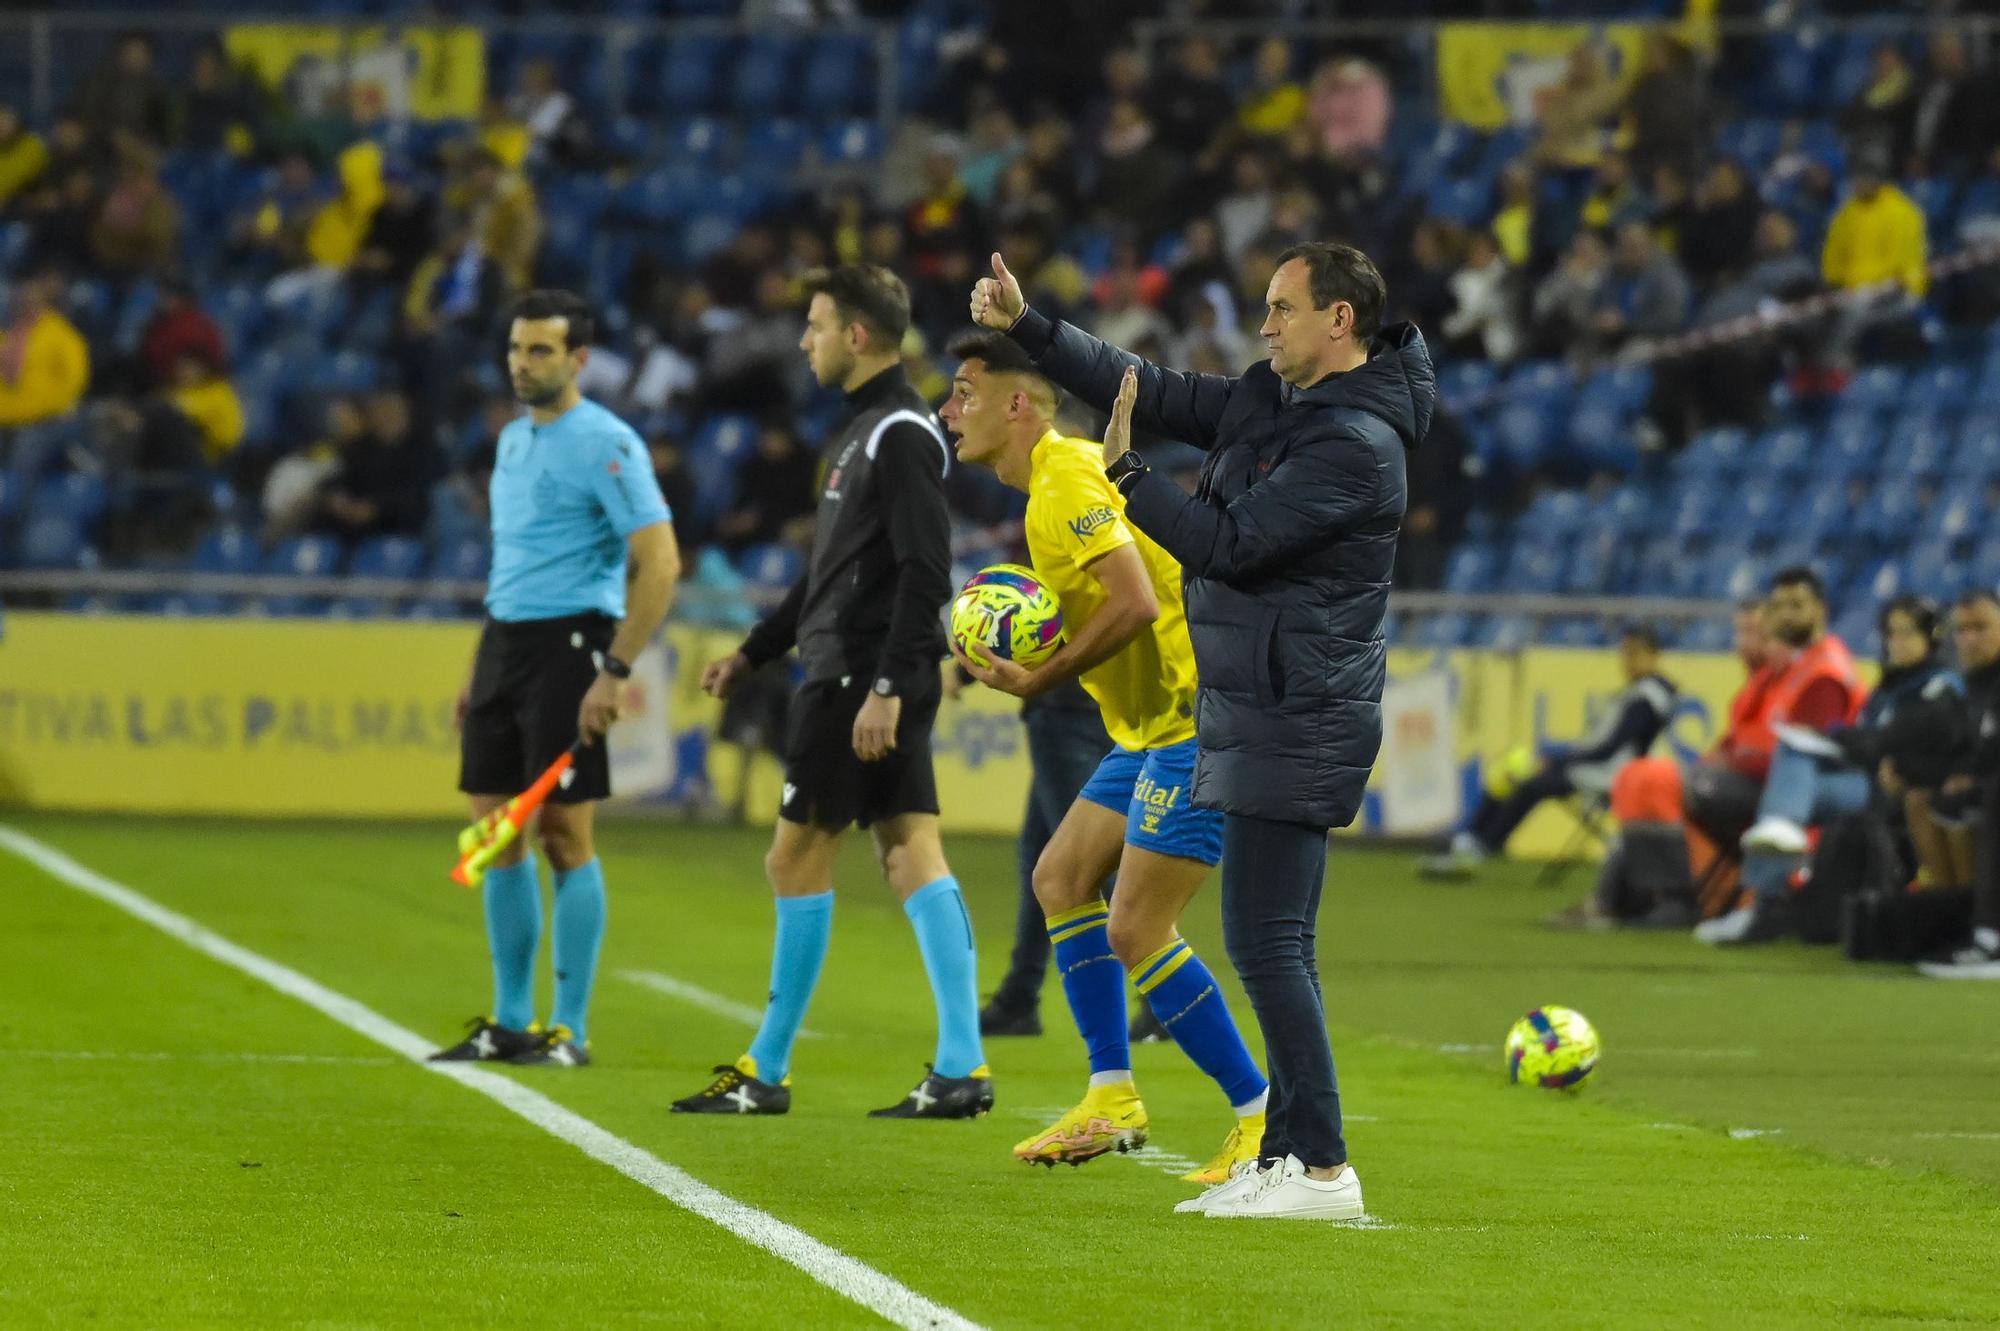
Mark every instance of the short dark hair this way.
pixel 1921 610
pixel 1798 575
pixel 1645 635
pixel 1000 354
pixel 866 294
pixel 550 303
pixel 1341 272
pixel 1977 596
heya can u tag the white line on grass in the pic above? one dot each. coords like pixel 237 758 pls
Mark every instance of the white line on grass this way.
pixel 164 1056
pixel 846 1276
pixel 694 994
pixel 1958 1136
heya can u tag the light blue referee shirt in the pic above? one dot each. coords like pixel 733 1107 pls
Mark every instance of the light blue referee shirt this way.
pixel 565 497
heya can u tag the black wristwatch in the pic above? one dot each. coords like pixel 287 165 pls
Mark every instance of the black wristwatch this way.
pixel 884 687
pixel 1128 463
pixel 612 666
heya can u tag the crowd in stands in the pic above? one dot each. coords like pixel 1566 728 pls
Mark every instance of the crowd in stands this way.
pixel 242 318
pixel 201 266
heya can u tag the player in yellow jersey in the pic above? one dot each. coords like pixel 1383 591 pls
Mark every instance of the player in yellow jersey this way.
pixel 1127 640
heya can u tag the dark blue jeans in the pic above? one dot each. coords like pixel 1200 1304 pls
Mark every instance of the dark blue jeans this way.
pixel 1272 874
pixel 1065 745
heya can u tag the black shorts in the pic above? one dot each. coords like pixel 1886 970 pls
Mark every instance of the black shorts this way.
pixel 528 682
pixel 826 784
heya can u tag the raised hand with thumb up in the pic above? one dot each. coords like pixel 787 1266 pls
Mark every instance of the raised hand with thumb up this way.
pixel 996 301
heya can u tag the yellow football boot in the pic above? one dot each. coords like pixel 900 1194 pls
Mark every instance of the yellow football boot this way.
pixel 1111 1118
pixel 1241 1144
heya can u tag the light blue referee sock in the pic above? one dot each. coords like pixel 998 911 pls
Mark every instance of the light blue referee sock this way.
pixel 1094 983
pixel 513 896
pixel 579 933
pixel 944 935
pixel 1183 995
pixel 805 926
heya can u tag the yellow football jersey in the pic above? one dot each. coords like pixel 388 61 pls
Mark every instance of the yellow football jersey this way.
pixel 1076 517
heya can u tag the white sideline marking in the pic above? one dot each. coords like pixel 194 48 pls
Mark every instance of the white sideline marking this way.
pixel 1745 1134
pixel 741 1013
pixel 163 1056
pixel 851 1279
pixel 1958 1136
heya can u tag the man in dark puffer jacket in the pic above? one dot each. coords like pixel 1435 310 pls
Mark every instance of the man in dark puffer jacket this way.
pixel 1286 550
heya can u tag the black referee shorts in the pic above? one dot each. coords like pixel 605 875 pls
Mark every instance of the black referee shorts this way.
pixel 826 784
pixel 528 682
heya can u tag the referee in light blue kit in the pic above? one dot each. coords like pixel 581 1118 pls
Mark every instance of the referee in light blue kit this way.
pixel 584 565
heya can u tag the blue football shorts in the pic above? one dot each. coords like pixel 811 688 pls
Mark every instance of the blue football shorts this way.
pixel 1154 789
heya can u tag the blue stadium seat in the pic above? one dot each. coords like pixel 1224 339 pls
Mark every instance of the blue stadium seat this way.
pixel 1535 567
pixel 1545 381
pixel 1877 388
pixel 1626 385
pixel 1712 454
pixel 1923 445
pixel 1785 451
pixel 1852 445
pixel 691 74
pixel 1932 570
pixel 772 567
pixel 662 195
pixel 79 498
pixel 304 557
pixel 702 140
pixel 764 82
pixel 1751 140
pixel 226 549
pixel 1938 200
pixel 774 145
pixel 1938 391
pixel 1500 633
pixel 839 77
pixel 850 141
pixel 1470 569
pixel 388 557
pixel 1978 451
pixel 1593 566
pixel 1466 200
pixel 706 234
pixel 1460 382
pixel 1526 433
pixel 52 540
pixel 1600 438
pixel 1442 632
pixel 1575 631
pixel 466 560
pixel 1791 73
pixel 1705 636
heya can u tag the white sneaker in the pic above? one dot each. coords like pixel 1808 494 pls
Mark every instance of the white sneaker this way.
pixel 1286 1192
pixel 1241 1179
pixel 1468 848
pixel 1978 960
pixel 1730 928
pixel 1780 836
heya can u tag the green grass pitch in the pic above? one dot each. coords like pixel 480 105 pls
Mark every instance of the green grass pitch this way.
pixel 1774 1138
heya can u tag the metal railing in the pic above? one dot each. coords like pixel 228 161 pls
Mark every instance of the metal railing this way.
pixel 68 585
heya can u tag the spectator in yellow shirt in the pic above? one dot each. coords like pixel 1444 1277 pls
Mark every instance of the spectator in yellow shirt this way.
pixel 205 396
pixel 23 156
pixel 1877 236
pixel 1275 101
pixel 44 361
pixel 505 216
